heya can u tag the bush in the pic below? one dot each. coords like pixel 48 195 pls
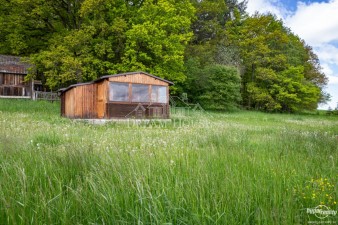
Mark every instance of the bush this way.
pixel 215 87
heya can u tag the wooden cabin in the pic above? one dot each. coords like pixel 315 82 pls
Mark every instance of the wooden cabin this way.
pixel 127 95
pixel 12 78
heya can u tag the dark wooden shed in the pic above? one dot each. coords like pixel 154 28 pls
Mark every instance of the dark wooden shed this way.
pixel 126 95
pixel 12 78
pixel 13 71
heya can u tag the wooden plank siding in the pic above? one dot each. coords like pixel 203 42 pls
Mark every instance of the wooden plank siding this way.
pixel 12 78
pixel 137 111
pixel 101 98
pixel 14 85
pixel 63 105
pixel 80 102
pixel 138 79
pixel 69 103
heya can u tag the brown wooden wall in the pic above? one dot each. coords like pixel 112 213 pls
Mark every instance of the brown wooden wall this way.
pixel 63 105
pixel 137 111
pixel 80 102
pixel 138 79
pixel 102 91
pixel 14 85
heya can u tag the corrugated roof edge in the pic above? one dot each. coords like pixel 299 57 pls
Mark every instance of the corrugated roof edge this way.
pixel 74 85
pixel 115 75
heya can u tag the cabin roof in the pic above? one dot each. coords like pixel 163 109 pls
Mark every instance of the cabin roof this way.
pixel 134 73
pixel 13 64
pixel 115 75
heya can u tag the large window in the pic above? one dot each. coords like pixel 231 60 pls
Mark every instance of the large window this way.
pixel 159 94
pixel 119 92
pixel 140 93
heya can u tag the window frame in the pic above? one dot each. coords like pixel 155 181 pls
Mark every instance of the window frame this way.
pixel 148 93
pixel 130 93
pixel 109 90
pixel 158 92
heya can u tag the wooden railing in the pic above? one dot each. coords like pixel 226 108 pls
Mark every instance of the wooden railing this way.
pixel 49 96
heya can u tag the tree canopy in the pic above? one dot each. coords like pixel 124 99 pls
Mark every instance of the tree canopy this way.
pixel 281 73
pixel 212 49
pixel 79 40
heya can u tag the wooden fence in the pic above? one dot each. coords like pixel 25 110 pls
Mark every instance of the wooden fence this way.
pixel 49 96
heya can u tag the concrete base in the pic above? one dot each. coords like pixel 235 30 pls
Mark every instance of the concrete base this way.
pixel 124 121
pixel 16 97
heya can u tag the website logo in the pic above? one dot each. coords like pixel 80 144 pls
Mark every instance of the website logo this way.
pixel 321 212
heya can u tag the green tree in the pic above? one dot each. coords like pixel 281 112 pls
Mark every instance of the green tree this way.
pixel 212 16
pixel 209 47
pixel 222 88
pixel 281 73
pixel 78 40
pixel 21 29
pixel 215 86
pixel 157 38
pixel 28 25
pixel 300 93
pixel 69 59
pixel 284 91
pixel 106 36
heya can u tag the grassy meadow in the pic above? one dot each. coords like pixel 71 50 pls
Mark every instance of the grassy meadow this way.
pixel 202 168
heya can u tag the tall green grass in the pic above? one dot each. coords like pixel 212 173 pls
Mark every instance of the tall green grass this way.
pixel 205 168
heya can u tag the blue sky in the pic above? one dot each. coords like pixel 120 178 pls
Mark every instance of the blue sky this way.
pixel 315 21
pixel 292 4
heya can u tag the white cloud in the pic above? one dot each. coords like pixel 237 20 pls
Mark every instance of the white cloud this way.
pixel 327 53
pixel 266 6
pixel 326 69
pixel 332 89
pixel 316 23
pixel 333 79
